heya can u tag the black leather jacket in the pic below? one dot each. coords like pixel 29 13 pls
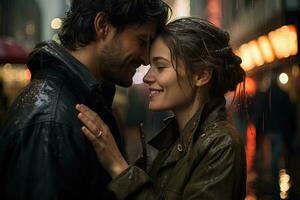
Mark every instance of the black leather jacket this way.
pixel 43 153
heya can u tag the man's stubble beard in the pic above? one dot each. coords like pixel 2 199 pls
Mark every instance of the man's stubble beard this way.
pixel 112 64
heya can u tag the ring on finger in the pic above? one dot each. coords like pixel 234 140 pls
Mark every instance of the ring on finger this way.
pixel 99 134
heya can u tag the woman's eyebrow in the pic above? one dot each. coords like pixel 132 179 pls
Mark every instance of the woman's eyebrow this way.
pixel 156 58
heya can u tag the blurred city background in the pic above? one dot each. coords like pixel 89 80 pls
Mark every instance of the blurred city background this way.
pixel 264 33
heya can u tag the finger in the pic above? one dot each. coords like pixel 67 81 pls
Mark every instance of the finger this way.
pixel 91 137
pixel 91 125
pixel 86 110
pixel 90 114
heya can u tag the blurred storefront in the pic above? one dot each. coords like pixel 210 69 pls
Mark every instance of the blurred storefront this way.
pixel 265 34
pixel 20 29
pixel 22 26
pixel 13 73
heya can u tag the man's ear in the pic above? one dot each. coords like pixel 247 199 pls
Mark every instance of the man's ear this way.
pixel 101 25
pixel 203 77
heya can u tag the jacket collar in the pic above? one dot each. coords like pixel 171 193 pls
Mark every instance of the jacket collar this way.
pixel 47 53
pixel 211 111
pixel 167 136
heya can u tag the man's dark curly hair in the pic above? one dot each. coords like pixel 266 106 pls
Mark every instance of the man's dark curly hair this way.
pixel 78 26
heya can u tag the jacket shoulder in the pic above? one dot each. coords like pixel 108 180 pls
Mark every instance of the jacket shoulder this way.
pixel 42 100
pixel 220 134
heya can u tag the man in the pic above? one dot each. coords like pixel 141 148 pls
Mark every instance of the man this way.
pixel 43 153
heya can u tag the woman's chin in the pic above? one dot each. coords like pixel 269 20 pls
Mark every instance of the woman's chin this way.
pixel 156 108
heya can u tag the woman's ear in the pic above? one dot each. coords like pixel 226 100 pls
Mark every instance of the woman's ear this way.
pixel 203 77
pixel 101 25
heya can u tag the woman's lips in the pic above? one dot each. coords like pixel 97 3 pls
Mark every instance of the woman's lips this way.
pixel 154 92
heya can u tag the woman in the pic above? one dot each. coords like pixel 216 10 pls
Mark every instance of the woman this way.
pixel 201 156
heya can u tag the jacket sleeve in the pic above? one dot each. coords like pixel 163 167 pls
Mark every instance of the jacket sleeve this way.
pixel 133 183
pixel 43 161
pixel 220 174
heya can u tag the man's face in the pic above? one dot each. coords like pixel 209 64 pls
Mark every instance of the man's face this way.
pixel 126 52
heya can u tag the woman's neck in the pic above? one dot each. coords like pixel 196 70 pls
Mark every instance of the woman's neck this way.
pixel 184 114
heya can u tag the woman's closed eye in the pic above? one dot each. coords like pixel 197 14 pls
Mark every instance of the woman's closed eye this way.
pixel 160 65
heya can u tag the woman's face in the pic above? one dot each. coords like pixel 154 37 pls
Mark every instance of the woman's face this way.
pixel 165 91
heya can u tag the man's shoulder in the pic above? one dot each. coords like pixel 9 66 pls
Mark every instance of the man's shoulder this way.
pixel 43 100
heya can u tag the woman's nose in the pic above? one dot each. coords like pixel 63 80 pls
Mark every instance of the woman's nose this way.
pixel 150 76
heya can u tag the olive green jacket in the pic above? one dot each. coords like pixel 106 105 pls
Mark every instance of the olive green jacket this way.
pixel 207 163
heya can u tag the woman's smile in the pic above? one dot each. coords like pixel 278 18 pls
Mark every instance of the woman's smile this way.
pixel 154 93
